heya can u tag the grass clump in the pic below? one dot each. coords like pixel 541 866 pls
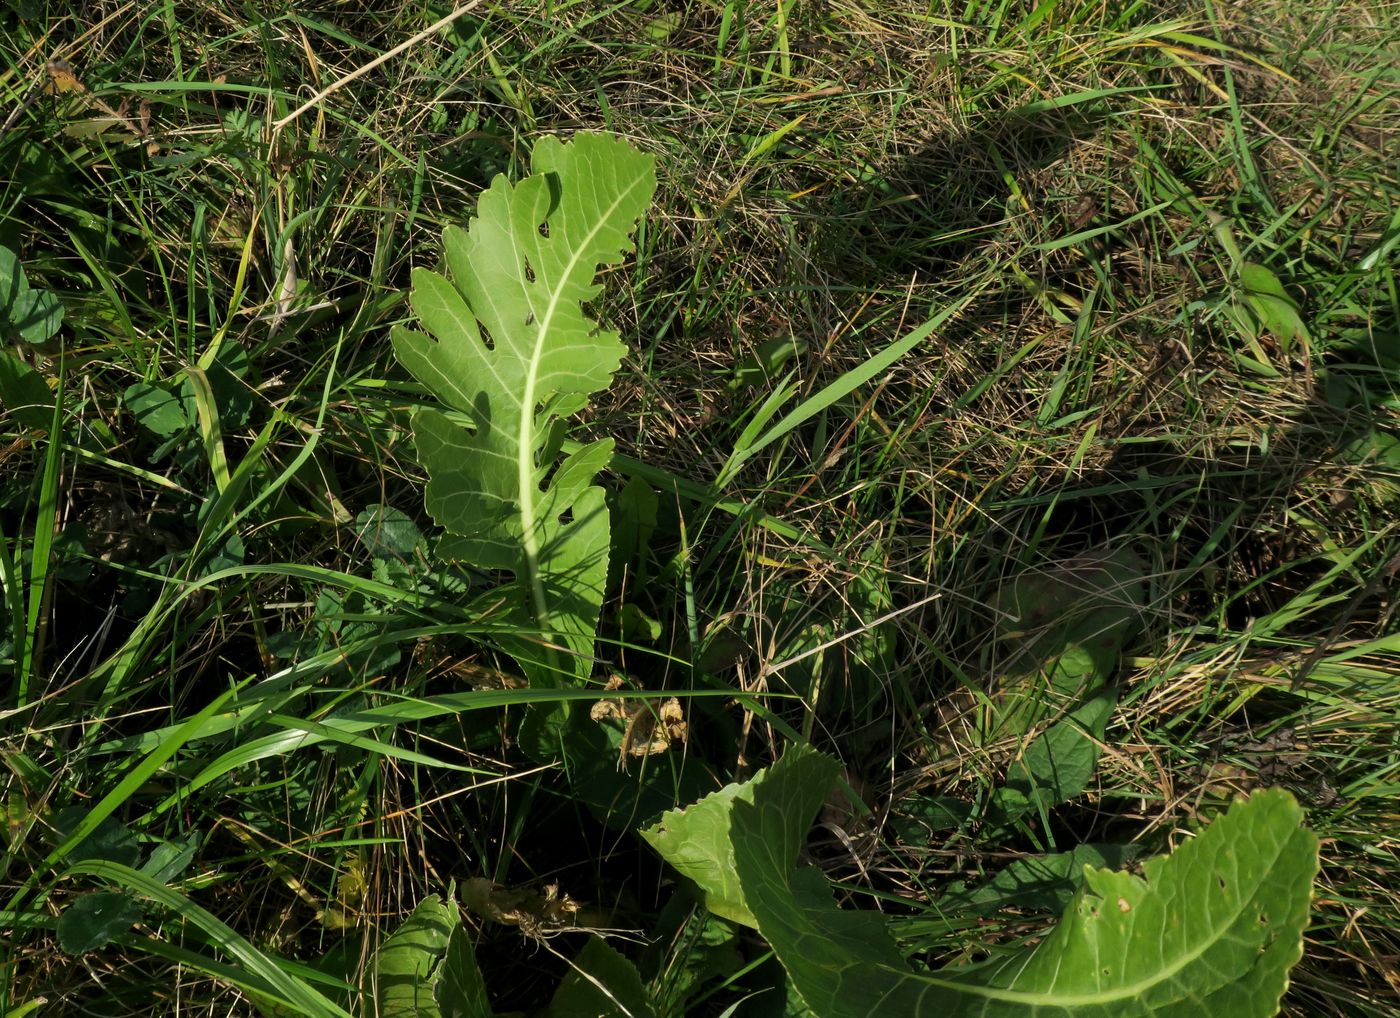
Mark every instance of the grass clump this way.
pixel 1139 478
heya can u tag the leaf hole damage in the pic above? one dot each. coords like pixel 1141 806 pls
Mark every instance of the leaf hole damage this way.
pixel 481 412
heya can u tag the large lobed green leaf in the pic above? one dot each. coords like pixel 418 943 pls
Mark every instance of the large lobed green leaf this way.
pixel 1211 929
pixel 510 347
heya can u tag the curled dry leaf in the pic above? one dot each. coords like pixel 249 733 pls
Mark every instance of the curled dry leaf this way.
pixel 538 915
pixel 651 726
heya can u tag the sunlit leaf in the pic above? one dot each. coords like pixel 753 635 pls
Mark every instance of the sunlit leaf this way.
pixel 698 841
pixel 426 968
pixel 1212 928
pixel 508 347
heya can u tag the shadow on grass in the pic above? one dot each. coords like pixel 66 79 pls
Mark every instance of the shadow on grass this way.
pixel 928 208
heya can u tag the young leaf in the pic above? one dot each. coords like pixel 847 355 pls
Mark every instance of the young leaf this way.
pixel 1271 305
pixel 634 508
pixel 170 858
pixel 1058 764
pixel 461 991
pixel 1061 628
pixel 95 918
pixel 25 313
pixel 510 347
pixel 698 841
pixel 24 394
pixel 405 968
pixel 1211 929
pixel 919 817
pixel 158 410
pixel 602 984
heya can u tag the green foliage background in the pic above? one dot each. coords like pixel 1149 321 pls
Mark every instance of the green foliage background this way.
pixel 999 399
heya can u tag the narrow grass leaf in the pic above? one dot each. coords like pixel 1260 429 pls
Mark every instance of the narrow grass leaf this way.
pixel 39 579
pixel 290 990
pixel 134 779
pixel 1085 235
pixel 848 382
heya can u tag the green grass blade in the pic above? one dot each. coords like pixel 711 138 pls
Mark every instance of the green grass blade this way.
pixel 850 381
pixel 31 652
pixel 292 991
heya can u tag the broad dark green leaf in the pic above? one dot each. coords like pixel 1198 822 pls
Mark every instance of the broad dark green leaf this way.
pixel 112 840
pixel 918 817
pixel 1057 765
pixel 601 984
pixel 95 918
pixel 26 314
pixel 634 508
pixel 1041 883
pixel 688 948
pixel 427 969
pixel 23 393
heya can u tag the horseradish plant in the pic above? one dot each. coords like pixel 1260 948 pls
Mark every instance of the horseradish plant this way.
pixel 509 350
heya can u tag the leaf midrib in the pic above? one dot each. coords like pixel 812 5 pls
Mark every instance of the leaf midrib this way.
pixel 1046 998
pixel 525 450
